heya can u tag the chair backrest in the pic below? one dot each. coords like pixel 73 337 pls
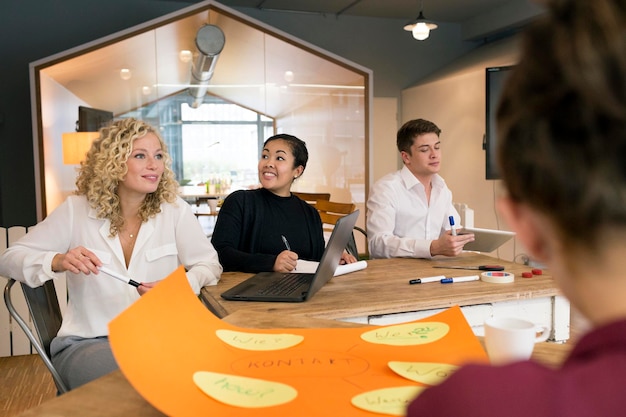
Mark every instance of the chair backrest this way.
pixel 312 198
pixel 45 312
pixel 330 212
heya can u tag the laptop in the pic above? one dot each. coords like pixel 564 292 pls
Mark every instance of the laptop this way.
pixel 293 286
pixel 486 240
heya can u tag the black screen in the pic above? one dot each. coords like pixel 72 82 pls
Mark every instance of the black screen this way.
pixel 91 120
pixel 495 78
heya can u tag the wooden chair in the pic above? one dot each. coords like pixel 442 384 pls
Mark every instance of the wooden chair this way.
pixel 312 198
pixel 331 211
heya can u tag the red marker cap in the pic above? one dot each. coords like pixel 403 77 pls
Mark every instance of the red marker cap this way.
pixel 527 274
pixel 537 271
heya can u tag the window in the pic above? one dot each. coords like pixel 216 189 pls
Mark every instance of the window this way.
pixel 324 101
pixel 218 141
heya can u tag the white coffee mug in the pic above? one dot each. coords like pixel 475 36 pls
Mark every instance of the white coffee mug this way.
pixel 511 339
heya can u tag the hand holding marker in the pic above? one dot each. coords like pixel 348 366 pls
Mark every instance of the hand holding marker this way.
pixel 120 277
pixel 452 228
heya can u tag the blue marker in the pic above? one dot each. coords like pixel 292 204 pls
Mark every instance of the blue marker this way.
pixel 460 279
pixel 451 219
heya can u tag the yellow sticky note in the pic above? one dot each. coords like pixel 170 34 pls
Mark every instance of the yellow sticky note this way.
pixel 416 333
pixel 428 373
pixel 258 341
pixel 240 391
pixel 391 401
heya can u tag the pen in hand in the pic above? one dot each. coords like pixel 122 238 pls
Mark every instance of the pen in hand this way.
pixel 120 277
pixel 286 242
pixel 452 228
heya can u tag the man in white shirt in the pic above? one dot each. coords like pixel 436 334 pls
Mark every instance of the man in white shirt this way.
pixel 408 211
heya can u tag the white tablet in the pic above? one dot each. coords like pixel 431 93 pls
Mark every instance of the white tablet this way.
pixel 486 240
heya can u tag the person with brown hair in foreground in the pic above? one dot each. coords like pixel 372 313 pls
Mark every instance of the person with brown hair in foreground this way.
pixel 562 153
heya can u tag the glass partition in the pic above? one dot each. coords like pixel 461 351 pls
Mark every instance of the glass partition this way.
pixel 284 85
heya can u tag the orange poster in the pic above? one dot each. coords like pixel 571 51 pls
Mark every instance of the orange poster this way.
pixel 187 362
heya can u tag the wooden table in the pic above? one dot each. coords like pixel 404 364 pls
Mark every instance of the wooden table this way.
pixel 381 294
pixel 113 396
pixel 198 194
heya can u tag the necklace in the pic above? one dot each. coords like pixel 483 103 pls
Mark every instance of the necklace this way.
pixel 134 233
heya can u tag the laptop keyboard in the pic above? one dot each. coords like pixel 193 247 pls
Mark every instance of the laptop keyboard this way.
pixel 285 285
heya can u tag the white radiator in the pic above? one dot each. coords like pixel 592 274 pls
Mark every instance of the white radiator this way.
pixel 13 341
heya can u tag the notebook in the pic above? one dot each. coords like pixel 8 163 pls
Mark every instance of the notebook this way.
pixel 297 286
pixel 486 240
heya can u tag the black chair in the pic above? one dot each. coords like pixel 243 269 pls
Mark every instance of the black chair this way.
pixel 43 305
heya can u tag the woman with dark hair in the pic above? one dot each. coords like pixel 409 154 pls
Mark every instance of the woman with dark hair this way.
pixel 562 153
pixel 269 229
pixel 125 216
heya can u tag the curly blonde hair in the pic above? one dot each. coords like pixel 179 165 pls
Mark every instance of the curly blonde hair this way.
pixel 105 166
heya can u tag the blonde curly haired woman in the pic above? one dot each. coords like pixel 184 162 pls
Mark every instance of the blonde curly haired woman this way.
pixel 126 216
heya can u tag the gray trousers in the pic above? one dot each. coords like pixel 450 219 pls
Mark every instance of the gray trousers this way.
pixel 79 360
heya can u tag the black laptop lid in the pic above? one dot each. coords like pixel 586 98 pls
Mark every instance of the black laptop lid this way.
pixel 334 249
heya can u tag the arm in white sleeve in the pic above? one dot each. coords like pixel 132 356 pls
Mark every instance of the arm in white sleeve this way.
pixel 196 252
pixel 383 242
pixel 29 259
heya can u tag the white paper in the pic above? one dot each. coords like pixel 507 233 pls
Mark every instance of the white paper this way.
pixel 347 268
pixel 310 267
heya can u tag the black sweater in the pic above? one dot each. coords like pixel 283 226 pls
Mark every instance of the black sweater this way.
pixel 247 234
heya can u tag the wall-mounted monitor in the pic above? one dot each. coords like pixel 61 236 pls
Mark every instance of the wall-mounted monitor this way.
pixel 495 78
pixel 91 120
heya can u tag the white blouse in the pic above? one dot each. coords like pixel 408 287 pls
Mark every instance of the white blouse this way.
pixel 171 238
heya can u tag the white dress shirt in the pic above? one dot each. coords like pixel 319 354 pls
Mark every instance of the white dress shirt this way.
pixel 170 238
pixel 400 220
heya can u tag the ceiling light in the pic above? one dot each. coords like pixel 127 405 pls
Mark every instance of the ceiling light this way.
pixel 420 27
pixel 125 74
pixel 185 56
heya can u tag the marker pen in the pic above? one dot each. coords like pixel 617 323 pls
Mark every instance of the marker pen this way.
pixel 427 279
pixel 452 228
pixel 120 277
pixel 460 279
